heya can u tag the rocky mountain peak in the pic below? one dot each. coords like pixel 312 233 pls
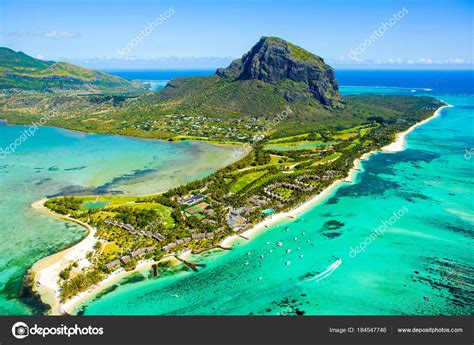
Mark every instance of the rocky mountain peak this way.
pixel 273 59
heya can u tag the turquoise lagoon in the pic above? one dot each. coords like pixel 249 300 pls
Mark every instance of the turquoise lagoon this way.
pixel 57 161
pixel 420 265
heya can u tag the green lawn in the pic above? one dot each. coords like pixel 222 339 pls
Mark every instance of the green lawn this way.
pixel 289 139
pixel 350 130
pixel 274 159
pixel 349 147
pixel 110 248
pixel 163 211
pixel 286 193
pixel 246 180
pixel 329 158
pixel 108 204
pixel 92 205
pixel 345 136
pixel 88 201
pixel 297 145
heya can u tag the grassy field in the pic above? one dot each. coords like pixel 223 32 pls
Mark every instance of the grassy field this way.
pixel 286 193
pixel 108 204
pixel 290 138
pixel 110 248
pixel 329 158
pixel 297 145
pixel 246 180
pixel 345 136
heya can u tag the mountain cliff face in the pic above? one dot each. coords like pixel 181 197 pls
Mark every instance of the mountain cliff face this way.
pixel 273 59
pixel 273 76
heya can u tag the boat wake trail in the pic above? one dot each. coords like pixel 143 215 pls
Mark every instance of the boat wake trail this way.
pixel 327 272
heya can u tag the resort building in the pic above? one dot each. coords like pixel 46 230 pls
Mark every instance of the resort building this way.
pixel 112 264
pixel 257 201
pixel 132 230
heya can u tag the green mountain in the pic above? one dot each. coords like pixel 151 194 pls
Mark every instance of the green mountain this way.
pixel 22 72
pixel 234 104
pixel 274 75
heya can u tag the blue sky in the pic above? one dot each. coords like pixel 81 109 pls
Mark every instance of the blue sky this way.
pixel 204 33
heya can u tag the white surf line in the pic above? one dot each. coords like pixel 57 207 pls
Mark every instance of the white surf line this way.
pixel 327 272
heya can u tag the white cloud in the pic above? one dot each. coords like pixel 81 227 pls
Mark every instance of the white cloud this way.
pixel 455 61
pixel 399 61
pixel 61 34
pixel 393 61
pixel 452 61
pixel 426 61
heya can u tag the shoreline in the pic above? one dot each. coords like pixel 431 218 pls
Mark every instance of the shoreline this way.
pixel 46 271
pixel 173 140
pixel 400 139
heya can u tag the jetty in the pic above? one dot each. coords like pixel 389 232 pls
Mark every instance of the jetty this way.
pixel 191 265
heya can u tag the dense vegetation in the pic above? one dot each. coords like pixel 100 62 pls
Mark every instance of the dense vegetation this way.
pixel 19 71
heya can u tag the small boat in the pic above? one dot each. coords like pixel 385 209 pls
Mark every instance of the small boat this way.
pixel 288 263
pixel 302 234
pixel 247 263
pixel 301 256
pixel 287 229
pixel 259 278
pixel 308 241
pixel 279 244
pixel 249 253
pixel 299 248
pixel 295 239
pixel 261 256
pixel 328 271
pixel 288 251
pixel 271 250
pixel 267 242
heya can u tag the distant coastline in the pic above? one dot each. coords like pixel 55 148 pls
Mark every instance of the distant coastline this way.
pixel 46 271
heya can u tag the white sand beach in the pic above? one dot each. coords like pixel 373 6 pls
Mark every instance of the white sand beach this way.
pixel 400 140
pixel 46 271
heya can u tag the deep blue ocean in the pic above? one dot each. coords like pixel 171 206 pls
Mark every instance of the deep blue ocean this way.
pixel 458 82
